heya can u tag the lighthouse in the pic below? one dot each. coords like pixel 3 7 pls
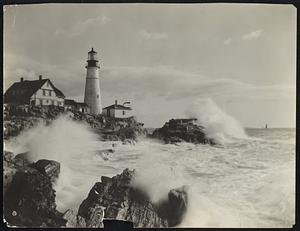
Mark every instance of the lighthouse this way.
pixel 92 96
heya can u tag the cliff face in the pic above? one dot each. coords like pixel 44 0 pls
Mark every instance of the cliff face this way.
pixel 116 198
pixel 176 131
pixel 16 121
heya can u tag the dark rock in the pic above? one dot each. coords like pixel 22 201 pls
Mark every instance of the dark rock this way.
pixel 73 220
pixel 122 201
pixel 105 179
pixel 70 217
pixel 30 201
pixel 8 169
pixel 22 160
pixel 175 207
pixel 179 130
pixel 95 217
pixel 49 168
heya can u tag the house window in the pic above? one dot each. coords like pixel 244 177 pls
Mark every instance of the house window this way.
pixel 47 101
pixel 52 102
pixel 123 112
pixel 44 92
pixel 49 92
pixel 41 102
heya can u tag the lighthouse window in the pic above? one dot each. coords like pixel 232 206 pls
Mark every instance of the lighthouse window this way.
pixel 97 96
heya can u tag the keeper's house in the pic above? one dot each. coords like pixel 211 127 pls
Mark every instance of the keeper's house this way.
pixel 34 92
pixel 117 111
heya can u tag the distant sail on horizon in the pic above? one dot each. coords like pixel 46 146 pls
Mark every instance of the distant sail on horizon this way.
pixel 266 125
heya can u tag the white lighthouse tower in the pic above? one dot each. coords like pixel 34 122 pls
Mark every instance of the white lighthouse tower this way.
pixel 92 96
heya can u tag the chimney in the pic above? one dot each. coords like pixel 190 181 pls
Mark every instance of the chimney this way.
pixel 116 102
pixel 40 77
pixel 22 79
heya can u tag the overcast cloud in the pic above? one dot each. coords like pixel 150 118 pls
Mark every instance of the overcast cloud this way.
pixel 162 57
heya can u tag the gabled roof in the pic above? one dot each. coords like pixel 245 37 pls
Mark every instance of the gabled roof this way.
pixel 118 107
pixel 26 89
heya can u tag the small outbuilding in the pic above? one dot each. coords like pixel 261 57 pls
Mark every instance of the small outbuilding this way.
pixel 78 106
pixel 118 111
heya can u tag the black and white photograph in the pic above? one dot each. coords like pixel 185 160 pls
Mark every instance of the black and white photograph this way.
pixel 158 114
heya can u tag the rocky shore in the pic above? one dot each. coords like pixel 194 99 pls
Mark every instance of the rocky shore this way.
pixel 16 121
pixel 29 196
pixel 117 198
pixel 179 130
pixel 29 199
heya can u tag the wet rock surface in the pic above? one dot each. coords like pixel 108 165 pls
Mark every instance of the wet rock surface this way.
pixel 29 198
pixel 48 168
pixel 179 130
pixel 116 198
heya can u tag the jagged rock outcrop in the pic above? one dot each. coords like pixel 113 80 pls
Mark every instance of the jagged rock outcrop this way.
pixel 73 220
pixel 29 198
pixel 116 198
pixel 48 168
pixel 178 130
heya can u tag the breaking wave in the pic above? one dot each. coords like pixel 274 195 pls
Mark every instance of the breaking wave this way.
pixel 218 124
pixel 232 186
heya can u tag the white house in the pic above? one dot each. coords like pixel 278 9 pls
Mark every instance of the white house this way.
pixel 117 111
pixel 34 92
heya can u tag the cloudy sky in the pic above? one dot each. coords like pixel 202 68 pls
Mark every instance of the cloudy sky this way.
pixel 163 57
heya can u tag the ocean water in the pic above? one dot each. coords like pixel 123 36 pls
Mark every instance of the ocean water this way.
pixel 247 181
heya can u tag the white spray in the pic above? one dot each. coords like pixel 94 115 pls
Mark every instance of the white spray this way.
pixel 218 125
